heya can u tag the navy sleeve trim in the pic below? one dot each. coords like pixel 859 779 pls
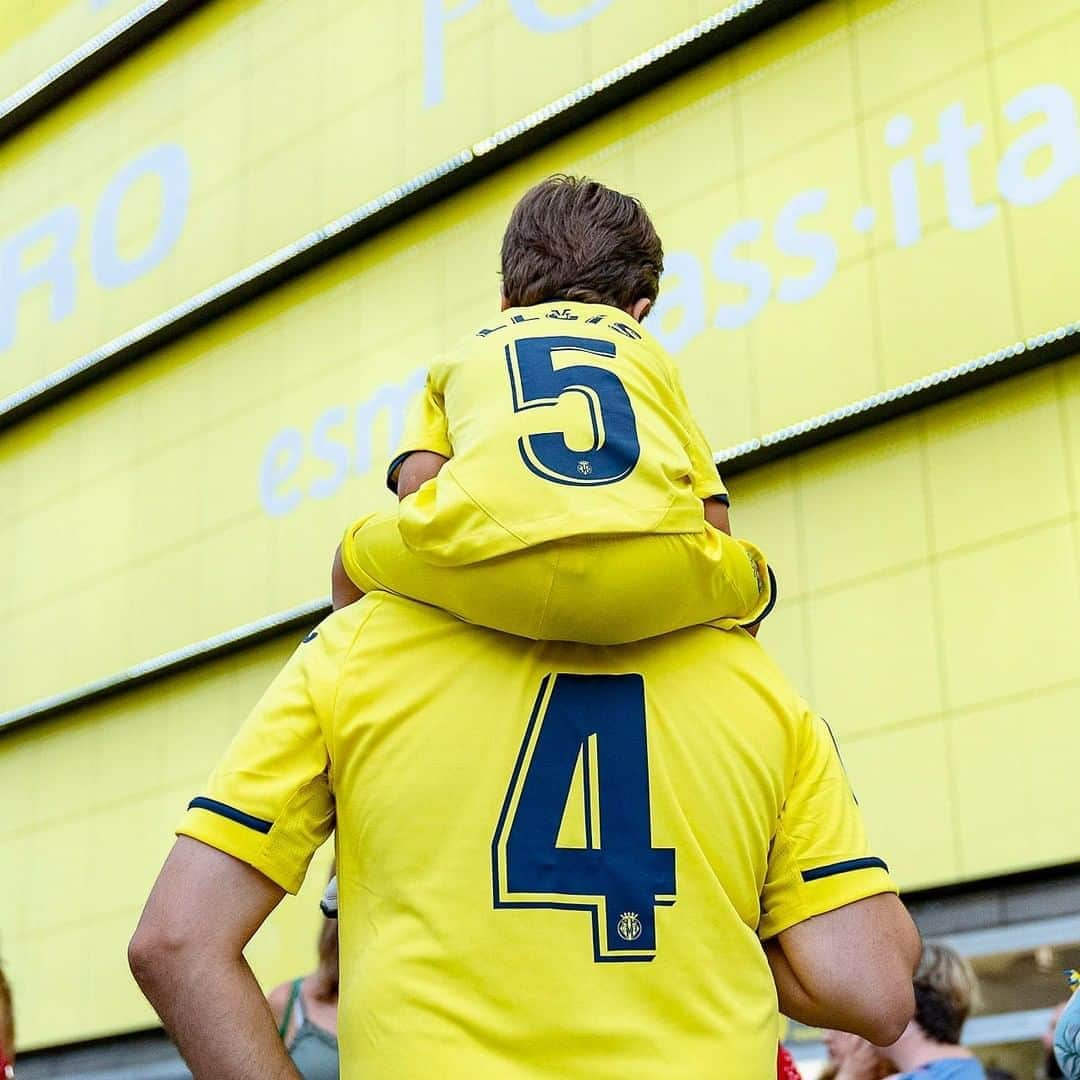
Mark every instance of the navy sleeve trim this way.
pixel 721 499
pixel 869 863
pixel 391 472
pixel 230 812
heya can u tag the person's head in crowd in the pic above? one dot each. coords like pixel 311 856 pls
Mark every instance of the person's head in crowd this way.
pixel 571 238
pixel 946 993
pixel 7 1028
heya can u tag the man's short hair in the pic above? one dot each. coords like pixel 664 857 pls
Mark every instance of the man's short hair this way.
pixel 946 990
pixel 571 238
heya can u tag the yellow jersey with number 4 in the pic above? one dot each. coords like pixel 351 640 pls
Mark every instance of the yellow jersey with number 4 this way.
pixel 555 861
pixel 559 420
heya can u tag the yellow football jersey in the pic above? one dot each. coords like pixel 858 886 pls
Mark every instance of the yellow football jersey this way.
pixel 560 420
pixel 554 861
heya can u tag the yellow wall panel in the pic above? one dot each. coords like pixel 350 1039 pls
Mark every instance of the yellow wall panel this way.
pixel 985 475
pixel 876 654
pixel 772 495
pixel 34 36
pixel 848 490
pixel 1008 21
pixel 1024 755
pixel 249 124
pixel 243 128
pixel 1011 611
pixel 243 449
pixel 90 801
pixel 909 630
pixel 950 35
pixel 902 780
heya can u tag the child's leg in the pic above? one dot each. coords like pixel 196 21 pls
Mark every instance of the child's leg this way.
pixel 505 594
pixel 614 589
pixel 342 590
pixel 602 591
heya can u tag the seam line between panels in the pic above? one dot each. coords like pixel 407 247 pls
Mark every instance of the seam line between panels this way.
pixel 703 41
pixel 93 58
pixel 1006 362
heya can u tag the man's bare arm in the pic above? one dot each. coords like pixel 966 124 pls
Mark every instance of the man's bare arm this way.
pixel 187 957
pixel 850 969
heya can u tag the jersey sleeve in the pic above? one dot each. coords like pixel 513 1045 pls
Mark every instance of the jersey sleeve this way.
pixel 704 473
pixel 820 858
pixel 269 802
pixel 426 428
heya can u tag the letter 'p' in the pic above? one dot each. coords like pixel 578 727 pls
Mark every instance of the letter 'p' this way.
pixel 437 16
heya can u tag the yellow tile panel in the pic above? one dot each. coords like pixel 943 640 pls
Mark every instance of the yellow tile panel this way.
pixel 902 781
pixel 765 509
pixel 862 504
pixel 1008 20
pixel 776 113
pixel 1015 762
pixel 996 463
pixel 875 653
pixel 1037 123
pixel 1011 615
pixel 948 35
pixel 797 334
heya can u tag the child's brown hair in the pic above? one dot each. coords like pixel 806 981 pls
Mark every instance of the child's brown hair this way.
pixel 571 238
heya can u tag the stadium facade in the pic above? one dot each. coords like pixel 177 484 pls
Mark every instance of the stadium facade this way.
pixel 233 233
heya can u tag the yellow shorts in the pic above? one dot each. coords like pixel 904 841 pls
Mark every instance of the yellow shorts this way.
pixel 597 590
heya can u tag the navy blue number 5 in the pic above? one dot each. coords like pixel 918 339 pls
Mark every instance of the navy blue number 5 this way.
pixel 586 738
pixel 537 383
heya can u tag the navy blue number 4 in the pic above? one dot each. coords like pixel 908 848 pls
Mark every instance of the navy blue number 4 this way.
pixel 592 727
pixel 536 383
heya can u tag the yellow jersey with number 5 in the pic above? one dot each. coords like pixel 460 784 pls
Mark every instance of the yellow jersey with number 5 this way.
pixel 555 861
pixel 560 420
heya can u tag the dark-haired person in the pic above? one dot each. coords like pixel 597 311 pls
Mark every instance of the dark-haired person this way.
pixel 306 1011
pixel 946 990
pixel 553 460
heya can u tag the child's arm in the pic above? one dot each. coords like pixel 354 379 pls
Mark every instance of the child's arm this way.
pixel 716 514
pixel 426 427
pixel 419 467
